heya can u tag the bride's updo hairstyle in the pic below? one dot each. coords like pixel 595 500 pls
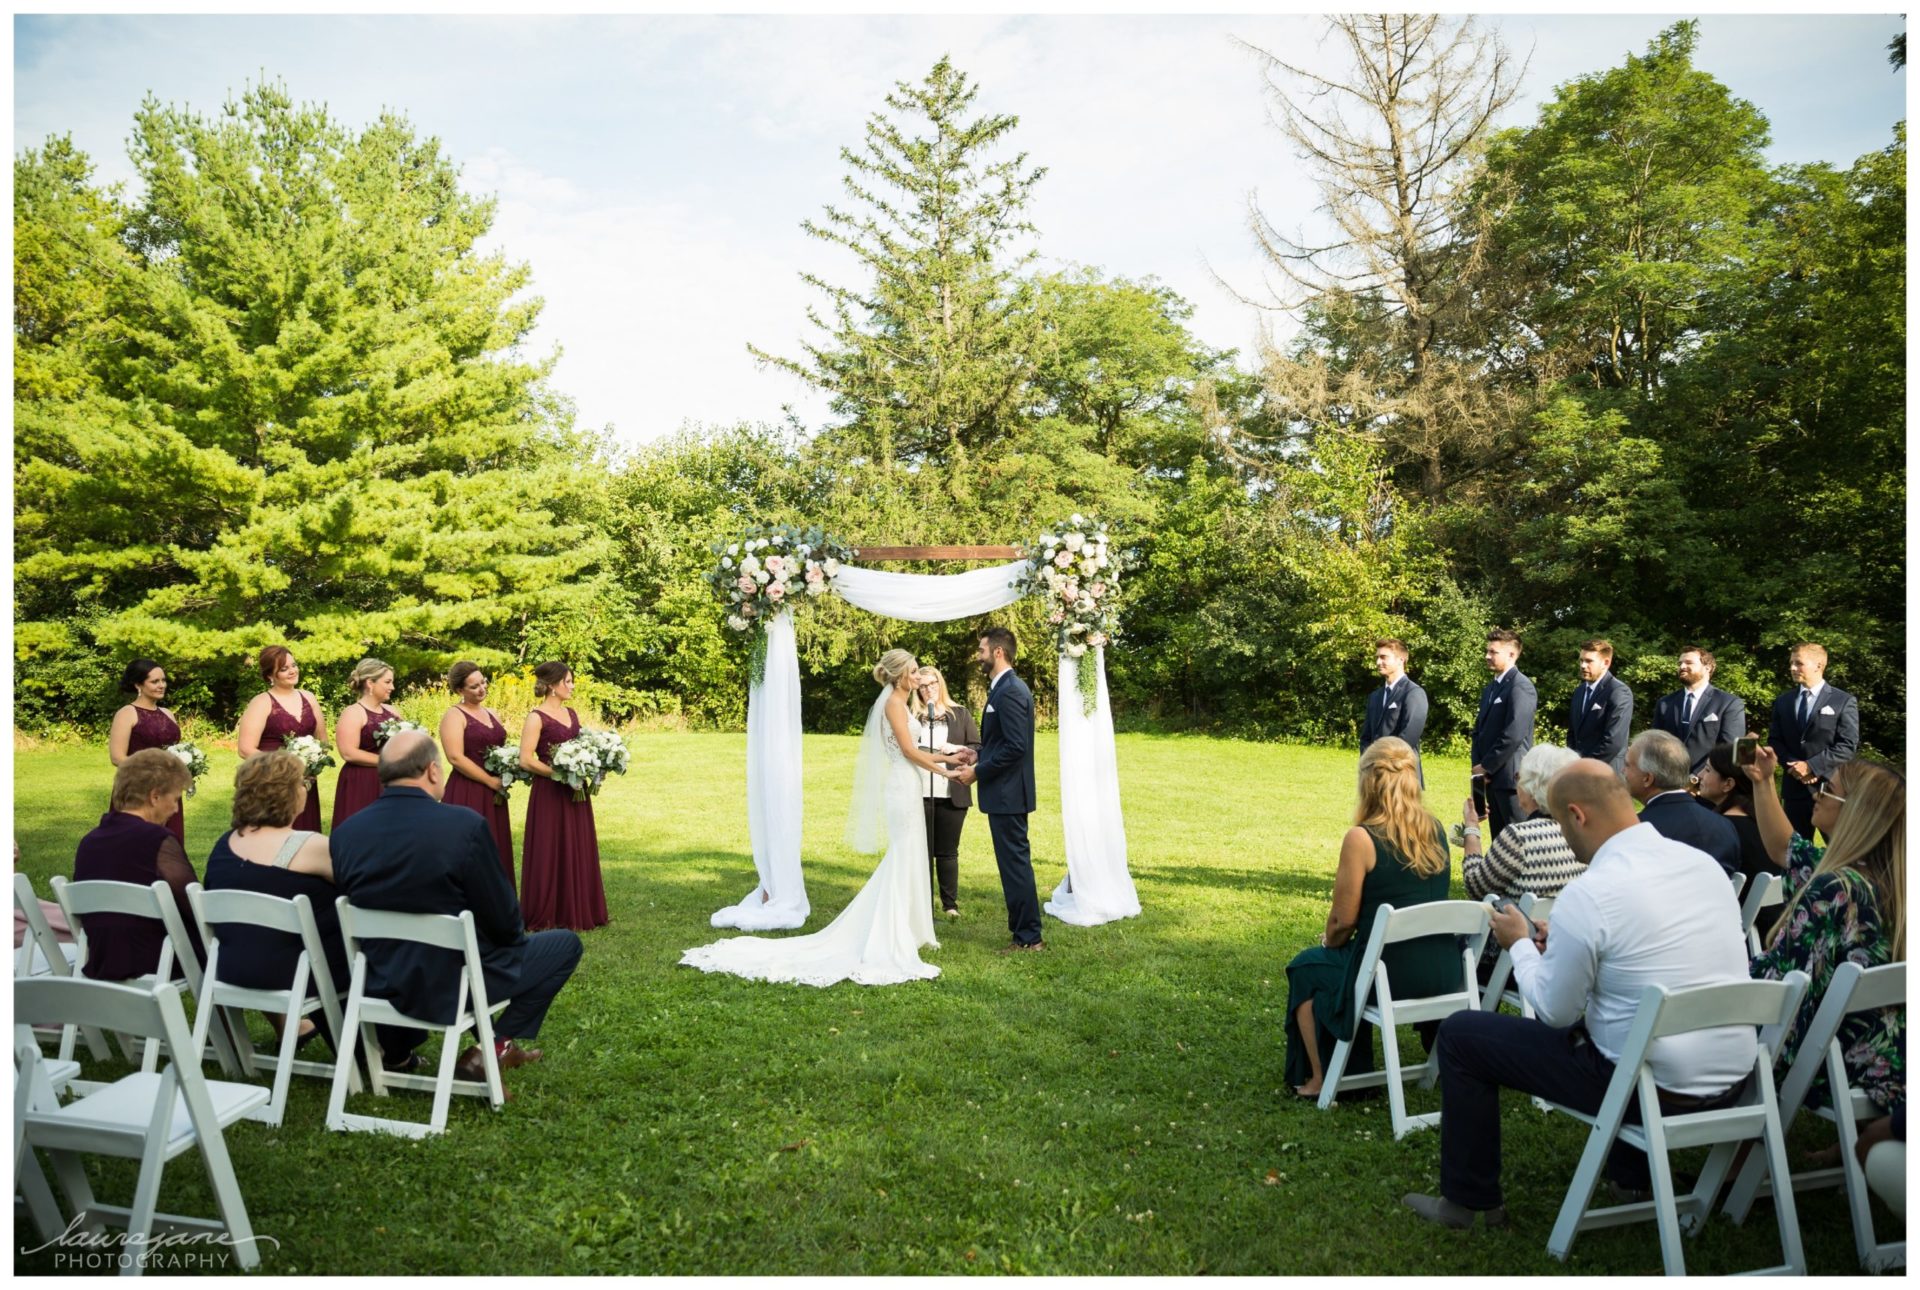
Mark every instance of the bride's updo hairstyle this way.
pixel 893 665
pixel 1391 807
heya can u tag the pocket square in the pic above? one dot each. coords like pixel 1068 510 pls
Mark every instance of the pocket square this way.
pixel 1711 716
pixel 1392 706
pixel 1595 708
pixel 989 709
pixel 1498 702
pixel 1826 711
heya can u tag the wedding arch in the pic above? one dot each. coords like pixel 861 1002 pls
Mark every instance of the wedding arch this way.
pixel 764 575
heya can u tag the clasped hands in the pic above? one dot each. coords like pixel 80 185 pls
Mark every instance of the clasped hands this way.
pixel 963 759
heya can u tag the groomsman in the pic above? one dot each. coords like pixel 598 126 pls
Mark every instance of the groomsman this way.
pixel 1399 706
pixel 1503 732
pixel 1600 719
pixel 1700 714
pixel 1815 728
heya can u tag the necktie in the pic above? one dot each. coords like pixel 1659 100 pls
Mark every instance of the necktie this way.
pixel 1586 693
pixel 1806 703
pixel 1686 714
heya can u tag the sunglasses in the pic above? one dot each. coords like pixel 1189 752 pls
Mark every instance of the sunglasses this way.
pixel 1826 791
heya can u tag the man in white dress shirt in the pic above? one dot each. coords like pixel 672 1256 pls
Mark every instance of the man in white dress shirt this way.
pixel 1648 910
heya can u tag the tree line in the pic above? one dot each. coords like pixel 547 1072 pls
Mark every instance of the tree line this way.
pixel 1603 373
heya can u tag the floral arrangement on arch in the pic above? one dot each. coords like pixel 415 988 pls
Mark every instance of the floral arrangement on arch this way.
pixel 1075 570
pixel 769 569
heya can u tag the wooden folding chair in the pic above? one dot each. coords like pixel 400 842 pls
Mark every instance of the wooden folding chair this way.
pixel 1852 989
pixel 213 909
pixel 1467 919
pixel 471 1011
pixel 44 954
pixel 1766 891
pixel 151 1117
pixel 1752 1116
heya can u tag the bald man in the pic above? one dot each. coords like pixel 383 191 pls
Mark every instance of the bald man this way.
pixel 1648 910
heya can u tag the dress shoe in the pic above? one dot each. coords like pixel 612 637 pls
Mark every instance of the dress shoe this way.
pixel 1438 1209
pixel 411 1064
pixel 952 911
pixel 472 1065
pixel 1016 947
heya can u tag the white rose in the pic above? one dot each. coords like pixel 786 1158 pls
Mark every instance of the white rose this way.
pixel 1075 541
pixel 832 567
pixel 815 588
pixel 726 562
pixel 1076 650
pixel 762 577
pixel 733 549
pixel 1078 520
pixel 736 622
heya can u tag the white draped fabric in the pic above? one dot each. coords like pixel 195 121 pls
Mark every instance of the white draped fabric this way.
pixel 1096 840
pixel 930 597
pixel 773 791
pixel 1098 887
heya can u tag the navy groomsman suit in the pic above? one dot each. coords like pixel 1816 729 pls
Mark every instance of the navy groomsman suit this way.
pixel 1399 710
pixel 1502 734
pixel 1600 720
pixel 1701 721
pixel 1005 791
pixel 1821 729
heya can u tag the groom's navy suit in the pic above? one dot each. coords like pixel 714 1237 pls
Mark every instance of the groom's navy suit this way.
pixel 1003 776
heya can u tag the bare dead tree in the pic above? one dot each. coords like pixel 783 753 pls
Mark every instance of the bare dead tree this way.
pixel 1392 145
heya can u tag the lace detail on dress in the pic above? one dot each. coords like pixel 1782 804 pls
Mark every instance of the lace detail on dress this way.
pixel 892 743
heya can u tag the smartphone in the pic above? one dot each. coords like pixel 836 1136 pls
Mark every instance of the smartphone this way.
pixel 1480 796
pixel 1744 750
pixel 1502 903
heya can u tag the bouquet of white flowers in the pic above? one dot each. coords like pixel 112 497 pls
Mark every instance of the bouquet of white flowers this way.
pixel 388 729
pixel 584 761
pixel 1075 571
pixel 311 751
pixel 768 570
pixel 504 762
pixel 196 762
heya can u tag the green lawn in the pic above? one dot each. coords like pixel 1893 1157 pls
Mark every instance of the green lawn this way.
pixel 1114 1105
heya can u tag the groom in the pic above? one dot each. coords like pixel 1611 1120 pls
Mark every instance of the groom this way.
pixel 1004 771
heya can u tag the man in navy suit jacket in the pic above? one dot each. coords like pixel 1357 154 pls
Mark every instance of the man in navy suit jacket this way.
pixel 1656 775
pixel 409 853
pixel 1503 731
pixel 1399 706
pixel 1700 714
pixel 1003 769
pixel 1815 728
pixel 1600 718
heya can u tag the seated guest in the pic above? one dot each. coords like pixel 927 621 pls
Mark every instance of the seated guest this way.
pixel 1647 911
pixel 1601 714
pixel 1395 854
pixel 1846 903
pixel 407 852
pixel 1726 788
pixel 1530 857
pixel 133 844
pixel 1658 778
pixel 264 853
pixel 1700 714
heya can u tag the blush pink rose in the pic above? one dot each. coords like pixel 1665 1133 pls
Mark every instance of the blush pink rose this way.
pixel 776 592
pixel 748 585
pixel 1064 559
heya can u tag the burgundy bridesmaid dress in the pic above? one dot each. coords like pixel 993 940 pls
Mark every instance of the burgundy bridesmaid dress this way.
pixel 153 728
pixel 479 737
pixel 279 728
pixel 359 786
pixel 560 856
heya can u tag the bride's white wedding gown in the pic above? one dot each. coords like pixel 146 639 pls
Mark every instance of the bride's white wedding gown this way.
pixel 876 940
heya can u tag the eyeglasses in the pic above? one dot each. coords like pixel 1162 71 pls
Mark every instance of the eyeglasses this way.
pixel 1826 791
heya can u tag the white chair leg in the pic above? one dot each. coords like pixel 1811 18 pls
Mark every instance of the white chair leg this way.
pixel 489 1060
pixel 226 1193
pixel 1390 1055
pixel 1666 1215
pixel 72 1173
pixel 1592 1159
pixel 31 1182
pixel 1330 1080
pixel 1774 1143
pixel 146 1190
pixel 443 1081
pixel 349 1039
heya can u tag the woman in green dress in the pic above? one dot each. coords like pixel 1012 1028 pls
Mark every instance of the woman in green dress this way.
pixel 1395 854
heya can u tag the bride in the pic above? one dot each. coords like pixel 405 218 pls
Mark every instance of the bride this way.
pixel 876 940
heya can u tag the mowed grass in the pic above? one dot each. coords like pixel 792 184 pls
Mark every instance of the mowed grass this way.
pixel 1114 1105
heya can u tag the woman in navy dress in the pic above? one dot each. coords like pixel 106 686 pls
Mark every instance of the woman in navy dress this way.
pixel 560 869
pixel 280 713
pixel 359 782
pixel 144 724
pixel 468 731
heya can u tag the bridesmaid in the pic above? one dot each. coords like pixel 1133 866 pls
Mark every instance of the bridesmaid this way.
pixel 359 782
pixel 467 732
pixel 282 711
pixel 144 724
pixel 560 858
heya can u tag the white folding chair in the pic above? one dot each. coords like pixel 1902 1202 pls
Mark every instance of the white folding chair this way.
pixel 35 1084
pixel 155 900
pixel 471 1011
pixel 1764 892
pixel 150 1117
pixel 1752 1116
pixel 213 909
pixel 1462 918
pixel 44 954
pixel 1499 984
pixel 1852 989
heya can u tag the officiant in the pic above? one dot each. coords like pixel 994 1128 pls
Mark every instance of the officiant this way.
pixel 942 726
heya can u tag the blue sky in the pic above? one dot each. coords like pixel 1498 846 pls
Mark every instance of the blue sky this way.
pixel 654 170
